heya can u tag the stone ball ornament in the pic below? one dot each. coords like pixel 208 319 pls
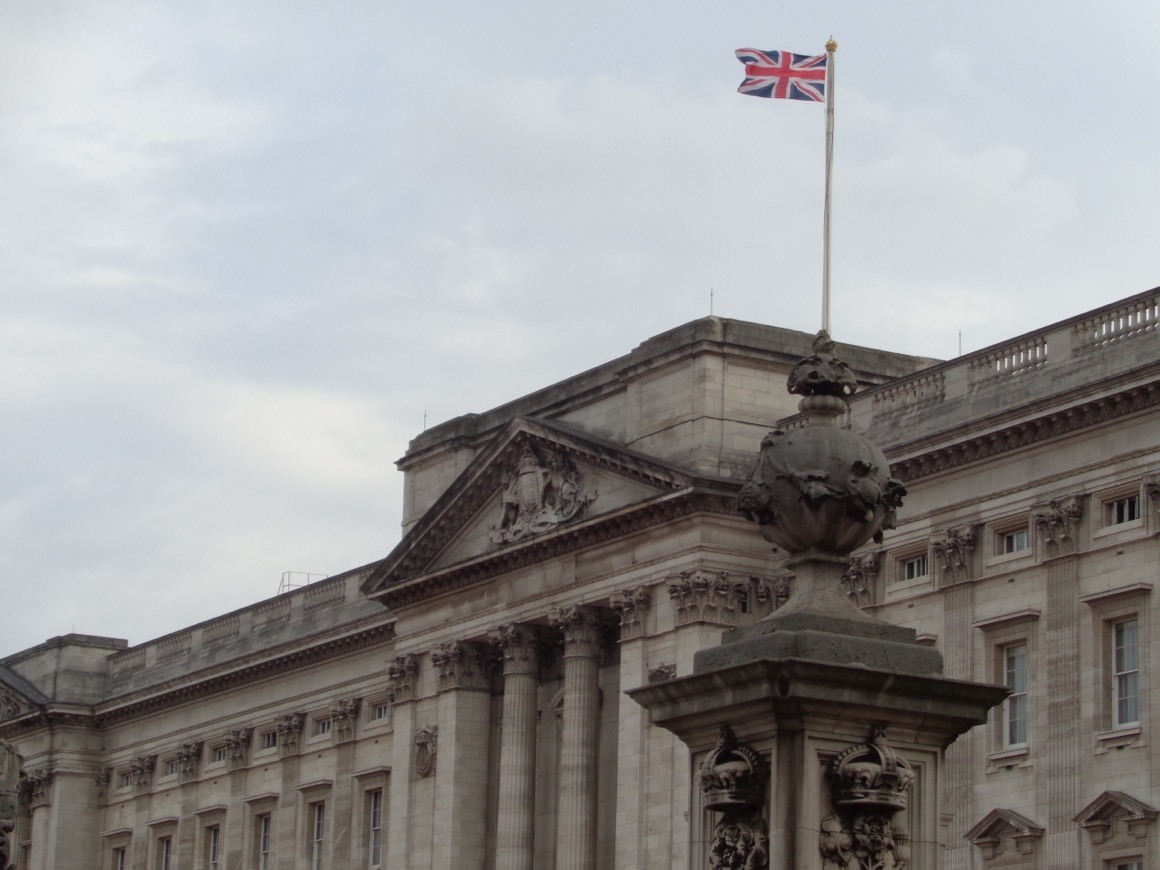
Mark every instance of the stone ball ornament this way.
pixel 818 488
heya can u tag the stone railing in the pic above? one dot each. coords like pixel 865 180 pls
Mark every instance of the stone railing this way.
pixel 1113 334
pixel 1132 319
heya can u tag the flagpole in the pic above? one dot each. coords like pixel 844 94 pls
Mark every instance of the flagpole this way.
pixel 831 47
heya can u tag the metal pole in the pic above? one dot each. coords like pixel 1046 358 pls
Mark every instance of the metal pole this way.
pixel 831 47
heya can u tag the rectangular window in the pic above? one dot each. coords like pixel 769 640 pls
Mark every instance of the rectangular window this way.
pixel 219 753
pixel 268 739
pixel 172 767
pixel 213 843
pixel 165 853
pixel 263 845
pixel 1014 542
pixel 318 837
pixel 375 828
pixel 119 859
pixel 381 711
pixel 1016 706
pixel 1121 510
pixel 1125 673
pixel 1126 865
pixel 914 568
pixel 322 726
pixel 126 779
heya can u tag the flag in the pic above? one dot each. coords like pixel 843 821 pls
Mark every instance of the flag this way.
pixel 783 75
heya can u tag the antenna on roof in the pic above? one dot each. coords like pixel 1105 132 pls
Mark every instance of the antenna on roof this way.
pixel 960 342
pixel 710 301
pixel 424 419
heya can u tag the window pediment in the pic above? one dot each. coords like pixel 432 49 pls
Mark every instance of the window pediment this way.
pixel 1001 829
pixel 1116 814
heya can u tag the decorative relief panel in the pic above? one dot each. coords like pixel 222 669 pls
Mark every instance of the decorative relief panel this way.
pixel 953 551
pixel 543 490
pixel 631 605
pixel 462 665
pixel 141 771
pixel 859 580
pixel 426 740
pixel 706 596
pixel 1056 525
pixel 733 779
pixel 870 784
pixel 10 705
pixel 773 594
pixel 662 672
pixel 403 677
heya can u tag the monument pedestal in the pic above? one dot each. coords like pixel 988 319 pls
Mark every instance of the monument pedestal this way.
pixel 854 753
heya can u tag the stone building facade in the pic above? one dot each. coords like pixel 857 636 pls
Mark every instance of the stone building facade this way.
pixel 461 703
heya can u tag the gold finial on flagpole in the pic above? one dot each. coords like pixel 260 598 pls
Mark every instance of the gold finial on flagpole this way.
pixel 832 45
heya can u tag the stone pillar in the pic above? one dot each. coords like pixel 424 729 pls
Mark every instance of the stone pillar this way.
pixel 464 671
pixel 403 683
pixel 519 646
pixel 576 815
pixel 633 781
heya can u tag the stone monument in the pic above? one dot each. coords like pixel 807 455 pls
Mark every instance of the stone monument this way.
pixel 817 734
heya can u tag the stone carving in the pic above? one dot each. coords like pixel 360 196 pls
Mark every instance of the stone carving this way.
pixel 545 488
pixel 631 605
pixel 103 778
pixel 462 664
pixel 188 757
pixel 954 550
pixel 660 673
pixel 403 677
pixel 733 779
pixel 869 783
pixel 141 770
pixel 343 715
pixel 822 373
pixel 519 645
pixel 776 592
pixel 1056 523
pixel 820 488
pixel 858 581
pixel 425 750
pixel 706 596
pixel 237 743
pixel 10 707
pixel 36 785
pixel 582 627
pixel 1152 490
pixel 11 765
pixel 289 727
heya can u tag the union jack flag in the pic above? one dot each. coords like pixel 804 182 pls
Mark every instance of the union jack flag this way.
pixel 783 75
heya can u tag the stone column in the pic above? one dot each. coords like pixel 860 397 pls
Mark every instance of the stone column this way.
pixel 403 685
pixel 464 670
pixel 519 645
pixel 576 816
pixel 635 779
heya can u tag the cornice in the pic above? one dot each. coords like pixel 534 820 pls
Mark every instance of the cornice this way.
pixel 1025 433
pixel 197 686
pixel 598 530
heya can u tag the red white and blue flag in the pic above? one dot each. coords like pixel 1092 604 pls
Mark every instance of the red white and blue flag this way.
pixel 783 75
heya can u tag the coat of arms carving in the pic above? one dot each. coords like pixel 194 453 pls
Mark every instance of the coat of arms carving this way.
pixel 543 490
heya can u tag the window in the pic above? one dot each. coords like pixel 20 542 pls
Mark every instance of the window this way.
pixel 1016 706
pixel 268 739
pixel 1125 865
pixel 914 568
pixel 262 844
pixel 219 753
pixel 172 767
pixel 318 837
pixel 165 853
pixel 213 836
pixel 1125 673
pixel 119 859
pixel 322 726
pixel 375 828
pixel 1121 510
pixel 125 779
pixel 381 712
pixel 1014 541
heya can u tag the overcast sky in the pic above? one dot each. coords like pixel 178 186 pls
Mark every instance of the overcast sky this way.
pixel 246 246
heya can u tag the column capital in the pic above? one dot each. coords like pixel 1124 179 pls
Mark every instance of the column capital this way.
pixel 631 605
pixel 519 645
pixel 462 664
pixel 582 627
pixel 403 677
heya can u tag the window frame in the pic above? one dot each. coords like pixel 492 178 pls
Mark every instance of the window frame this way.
pixel 1124 670
pixel 1000 634
pixel 1110 608
pixel 1019 697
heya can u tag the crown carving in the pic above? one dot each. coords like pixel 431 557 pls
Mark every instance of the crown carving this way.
pixel 871 776
pixel 733 775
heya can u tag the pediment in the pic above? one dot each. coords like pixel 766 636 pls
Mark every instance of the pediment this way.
pixel 1001 826
pixel 537 481
pixel 1115 813
pixel 18 697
